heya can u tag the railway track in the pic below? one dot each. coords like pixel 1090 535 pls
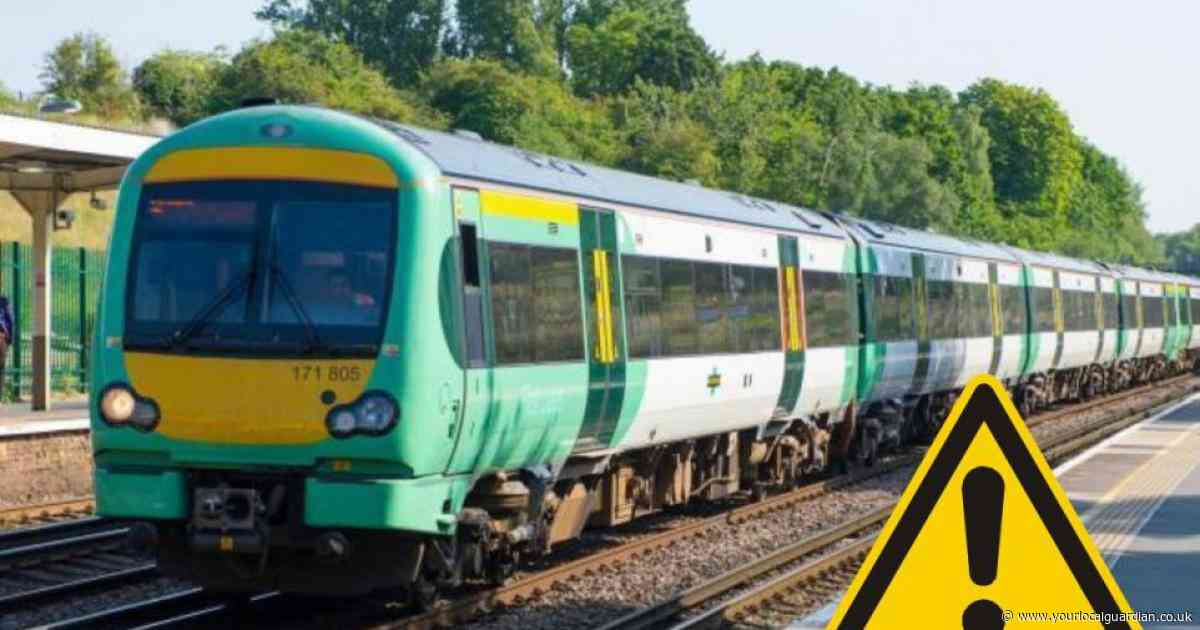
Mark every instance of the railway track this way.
pixel 40 564
pixel 834 568
pixel 29 515
pixel 828 558
pixel 818 568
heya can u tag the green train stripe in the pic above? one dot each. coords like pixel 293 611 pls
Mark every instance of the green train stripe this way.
pixel 606 339
pixel 997 327
pixel 793 360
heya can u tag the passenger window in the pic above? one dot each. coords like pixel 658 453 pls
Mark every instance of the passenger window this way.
pixel 712 325
pixel 536 307
pixel 741 288
pixel 764 310
pixel 1044 309
pixel 678 307
pixel 893 309
pixel 643 302
pixel 1012 305
pixel 557 321
pixel 512 302
pixel 829 312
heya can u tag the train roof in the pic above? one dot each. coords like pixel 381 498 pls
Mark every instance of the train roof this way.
pixel 882 233
pixel 1046 259
pixel 1148 275
pixel 466 155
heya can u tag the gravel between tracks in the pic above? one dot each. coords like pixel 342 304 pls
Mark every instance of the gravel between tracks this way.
pixel 592 600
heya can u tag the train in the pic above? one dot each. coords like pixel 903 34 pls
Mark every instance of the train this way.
pixel 336 354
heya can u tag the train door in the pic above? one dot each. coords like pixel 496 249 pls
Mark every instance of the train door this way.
pixel 605 326
pixel 792 322
pixel 469 253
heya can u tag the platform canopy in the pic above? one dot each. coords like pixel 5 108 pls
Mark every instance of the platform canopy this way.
pixel 42 162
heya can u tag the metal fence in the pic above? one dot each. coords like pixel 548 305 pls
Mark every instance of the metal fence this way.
pixel 76 274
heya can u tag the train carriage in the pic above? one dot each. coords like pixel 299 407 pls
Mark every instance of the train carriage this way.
pixel 338 354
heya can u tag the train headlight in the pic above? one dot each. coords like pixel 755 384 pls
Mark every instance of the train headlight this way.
pixel 120 406
pixel 342 423
pixel 117 404
pixel 374 413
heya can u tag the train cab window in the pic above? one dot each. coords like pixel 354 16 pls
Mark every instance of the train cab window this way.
pixel 712 324
pixel 1012 309
pixel 893 303
pixel 1043 309
pixel 536 308
pixel 643 304
pixel 1112 314
pixel 830 309
pixel 678 307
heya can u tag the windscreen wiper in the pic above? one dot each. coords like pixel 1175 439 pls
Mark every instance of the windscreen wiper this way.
pixel 211 310
pixel 310 330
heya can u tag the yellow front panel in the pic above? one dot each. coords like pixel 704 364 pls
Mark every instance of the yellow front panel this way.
pixel 273 163
pixel 245 401
pixel 531 208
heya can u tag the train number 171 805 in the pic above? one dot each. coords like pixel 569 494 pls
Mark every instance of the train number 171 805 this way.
pixel 330 374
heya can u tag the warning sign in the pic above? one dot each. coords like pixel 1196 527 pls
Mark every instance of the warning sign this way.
pixel 983 536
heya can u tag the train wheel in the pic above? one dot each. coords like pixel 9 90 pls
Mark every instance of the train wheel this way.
pixel 423 593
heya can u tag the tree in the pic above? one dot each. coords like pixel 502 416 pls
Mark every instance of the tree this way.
pixel 1035 155
pixel 400 37
pixel 8 100
pixel 610 46
pixel 84 67
pixel 300 66
pixel 178 85
pixel 530 112
pixel 1182 250
pixel 663 139
pixel 503 30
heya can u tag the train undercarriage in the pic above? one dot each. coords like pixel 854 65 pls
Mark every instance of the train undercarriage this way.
pixel 516 516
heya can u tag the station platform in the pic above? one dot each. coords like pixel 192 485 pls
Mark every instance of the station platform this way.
pixel 1138 493
pixel 66 415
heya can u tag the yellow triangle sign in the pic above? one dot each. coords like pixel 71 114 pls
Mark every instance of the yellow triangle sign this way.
pixel 983 537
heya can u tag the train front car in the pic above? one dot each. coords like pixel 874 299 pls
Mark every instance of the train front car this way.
pixel 272 390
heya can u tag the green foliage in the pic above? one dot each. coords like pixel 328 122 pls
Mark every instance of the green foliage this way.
pixel 1182 250
pixel 648 40
pixel 1035 155
pixel 506 31
pixel 8 100
pixel 531 112
pixel 84 67
pixel 630 84
pixel 399 37
pixel 178 85
pixel 300 66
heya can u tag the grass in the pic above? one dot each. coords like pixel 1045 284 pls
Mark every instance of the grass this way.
pixel 90 230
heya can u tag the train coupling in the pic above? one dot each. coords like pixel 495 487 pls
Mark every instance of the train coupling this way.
pixel 229 520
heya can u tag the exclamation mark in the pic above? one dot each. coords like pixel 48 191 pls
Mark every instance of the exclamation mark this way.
pixel 983 508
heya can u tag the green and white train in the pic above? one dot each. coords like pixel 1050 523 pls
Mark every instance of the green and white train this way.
pixel 338 354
